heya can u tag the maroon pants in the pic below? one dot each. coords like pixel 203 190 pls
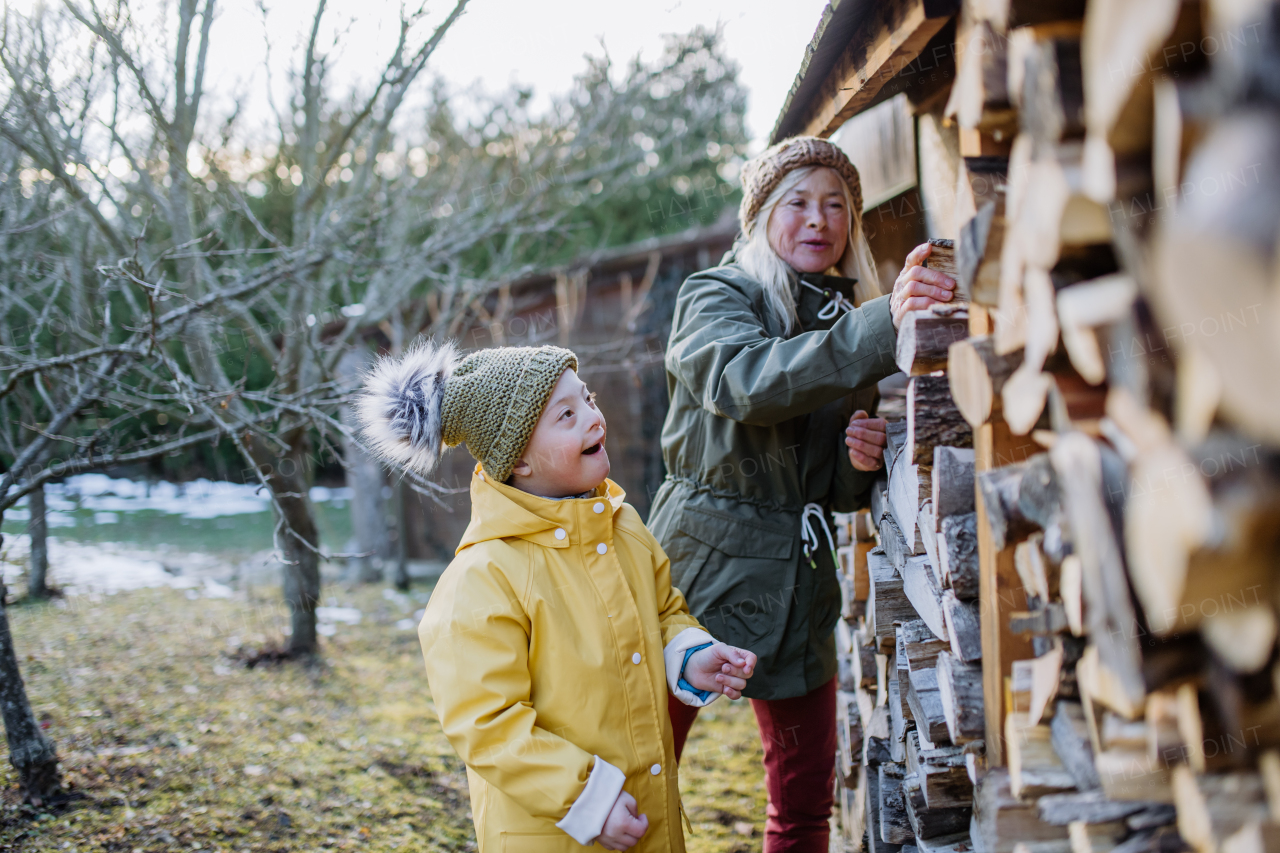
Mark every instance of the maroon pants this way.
pixel 799 738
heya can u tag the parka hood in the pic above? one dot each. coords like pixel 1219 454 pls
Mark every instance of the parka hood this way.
pixel 499 511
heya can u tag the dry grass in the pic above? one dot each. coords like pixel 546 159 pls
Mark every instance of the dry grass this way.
pixel 173 745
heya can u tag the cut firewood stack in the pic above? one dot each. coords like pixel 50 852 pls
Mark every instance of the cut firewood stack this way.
pixel 1060 621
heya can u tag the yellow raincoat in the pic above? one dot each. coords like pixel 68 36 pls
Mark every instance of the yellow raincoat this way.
pixel 548 644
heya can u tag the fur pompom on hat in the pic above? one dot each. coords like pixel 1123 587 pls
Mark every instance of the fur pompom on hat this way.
pixel 415 405
pixel 762 173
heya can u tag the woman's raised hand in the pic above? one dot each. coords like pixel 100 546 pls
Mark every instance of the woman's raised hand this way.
pixel 918 287
pixel 866 438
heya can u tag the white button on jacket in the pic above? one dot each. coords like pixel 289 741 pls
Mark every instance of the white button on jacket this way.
pixel 655 769
pixel 602 548
pixel 560 534
pixel 598 508
pixel 635 658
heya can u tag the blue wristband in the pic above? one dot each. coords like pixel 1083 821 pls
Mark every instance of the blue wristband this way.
pixel 684 685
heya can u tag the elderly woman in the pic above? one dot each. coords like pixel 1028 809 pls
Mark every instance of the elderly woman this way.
pixel 771 368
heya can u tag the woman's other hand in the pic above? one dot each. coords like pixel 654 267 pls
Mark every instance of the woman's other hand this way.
pixel 918 287
pixel 624 826
pixel 721 669
pixel 866 438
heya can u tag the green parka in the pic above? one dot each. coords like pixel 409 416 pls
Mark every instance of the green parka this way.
pixel 754 433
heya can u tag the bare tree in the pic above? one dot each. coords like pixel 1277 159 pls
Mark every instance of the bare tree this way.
pixel 166 288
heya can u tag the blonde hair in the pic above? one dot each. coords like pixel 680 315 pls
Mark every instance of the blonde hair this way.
pixel 761 261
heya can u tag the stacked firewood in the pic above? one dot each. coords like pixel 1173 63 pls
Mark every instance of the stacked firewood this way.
pixel 1060 617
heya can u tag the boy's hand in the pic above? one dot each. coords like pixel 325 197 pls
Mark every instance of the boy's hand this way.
pixel 623 828
pixel 721 669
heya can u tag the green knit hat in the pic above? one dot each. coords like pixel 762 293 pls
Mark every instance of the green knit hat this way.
pixel 413 406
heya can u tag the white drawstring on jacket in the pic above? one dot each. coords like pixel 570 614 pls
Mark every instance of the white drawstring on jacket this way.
pixel 809 536
pixel 835 303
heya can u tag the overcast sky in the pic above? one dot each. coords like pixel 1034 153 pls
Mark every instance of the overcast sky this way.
pixel 542 43
pixel 538 43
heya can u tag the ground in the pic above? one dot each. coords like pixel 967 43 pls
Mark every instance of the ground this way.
pixel 174 744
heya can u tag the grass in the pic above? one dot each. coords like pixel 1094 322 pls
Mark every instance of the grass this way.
pixel 174 745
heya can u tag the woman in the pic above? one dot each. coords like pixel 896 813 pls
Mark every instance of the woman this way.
pixel 771 369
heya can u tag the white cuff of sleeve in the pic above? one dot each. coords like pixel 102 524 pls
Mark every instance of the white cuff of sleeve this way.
pixel 673 657
pixel 586 817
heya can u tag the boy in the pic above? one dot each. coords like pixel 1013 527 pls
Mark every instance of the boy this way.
pixel 553 636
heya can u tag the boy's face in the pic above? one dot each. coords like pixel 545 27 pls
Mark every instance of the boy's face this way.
pixel 566 454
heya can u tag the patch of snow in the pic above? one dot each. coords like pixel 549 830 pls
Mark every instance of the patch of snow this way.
pixel 213 589
pixel 197 499
pixel 349 615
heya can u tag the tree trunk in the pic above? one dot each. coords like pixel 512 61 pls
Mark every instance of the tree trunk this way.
pixel 31 753
pixel 288 481
pixel 38 529
pixel 370 531
pixel 402 537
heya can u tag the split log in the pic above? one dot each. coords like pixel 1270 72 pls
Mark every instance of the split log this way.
pixel 928 529
pixel 980 94
pixel 1034 572
pixel 942 257
pixel 1093 483
pixel 925 336
pixel 895 441
pixel 977 374
pixel 849 737
pixel 978 255
pixel 1039 495
pixel 1084 307
pixel 951 482
pixel 960 688
pixel 1042 622
pixel 894 546
pixel 929 822
pixel 1034 768
pixel 933 419
pixel 1211 808
pixel 899 717
pixel 864 660
pixel 875 841
pixel 1006 523
pixel 921 589
pixel 895 826
pixel 964 627
pixel 853 563
pixel 1001 820
pixel 1087 807
pixel 926 708
pixel 887 604
pixel 1070 733
pixel 944 778
pixel 1050 99
pixel 878 504
pixel 920 646
pixel 909 485
pixel 851 810
pixel 875 749
pixel 1228 526
pixel 958 552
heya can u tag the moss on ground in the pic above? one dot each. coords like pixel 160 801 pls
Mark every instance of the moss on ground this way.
pixel 174 745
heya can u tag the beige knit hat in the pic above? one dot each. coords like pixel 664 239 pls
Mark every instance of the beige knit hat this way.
pixel 762 173
pixel 414 406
